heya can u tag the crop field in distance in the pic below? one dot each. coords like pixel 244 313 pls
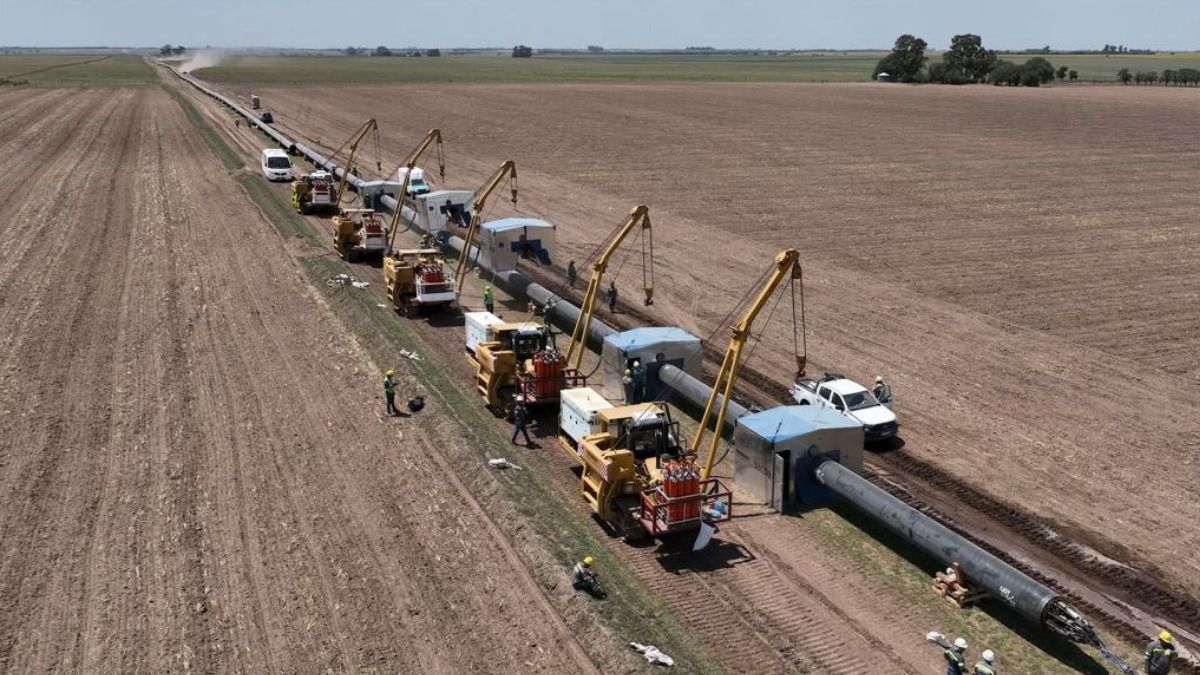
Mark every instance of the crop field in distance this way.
pixel 61 70
pixel 792 67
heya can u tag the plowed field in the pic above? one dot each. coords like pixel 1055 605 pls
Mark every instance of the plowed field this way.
pixel 195 469
pixel 1021 263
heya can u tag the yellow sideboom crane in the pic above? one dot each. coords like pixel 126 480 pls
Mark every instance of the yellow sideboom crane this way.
pixel 508 168
pixel 640 215
pixel 357 138
pixel 410 163
pixel 785 266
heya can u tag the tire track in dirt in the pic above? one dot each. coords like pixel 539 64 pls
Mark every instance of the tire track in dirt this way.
pixel 55 503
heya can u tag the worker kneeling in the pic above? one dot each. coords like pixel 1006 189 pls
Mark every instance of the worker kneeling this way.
pixel 584 578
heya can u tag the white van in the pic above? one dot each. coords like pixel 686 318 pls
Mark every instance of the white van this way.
pixel 276 165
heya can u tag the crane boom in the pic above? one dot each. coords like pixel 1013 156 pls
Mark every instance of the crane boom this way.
pixel 508 168
pixel 353 143
pixel 639 215
pixel 785 266
pixel 410 163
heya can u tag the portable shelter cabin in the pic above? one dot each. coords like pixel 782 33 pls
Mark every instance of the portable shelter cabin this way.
pixel 653 346
pixel 439 209
pixel 776 451
pixel 505 242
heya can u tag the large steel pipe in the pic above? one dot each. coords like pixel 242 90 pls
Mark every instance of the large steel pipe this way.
pixel 697 393
pixel 562 312
pixel 1026 596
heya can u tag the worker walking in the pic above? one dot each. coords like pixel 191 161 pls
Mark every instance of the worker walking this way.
pixel 583 578
pixel 519 416
pixel 489 298
pixel 987 663
pixel 627 387
pixel 389 393
pixel 955 654
pixel 1160 655
pixel 882 391
pixel 956 657
pixel 612 296
pixel 571 274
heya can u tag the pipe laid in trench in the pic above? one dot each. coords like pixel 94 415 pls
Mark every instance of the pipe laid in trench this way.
pixel 1027 597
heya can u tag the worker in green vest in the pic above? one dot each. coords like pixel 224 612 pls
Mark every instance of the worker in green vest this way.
pixel 489 298
pixel 389 392
pixel 1160 654
pixel 987 666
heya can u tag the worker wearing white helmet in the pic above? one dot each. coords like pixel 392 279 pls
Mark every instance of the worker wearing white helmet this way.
pixel 882 390
pixel 956 657
pixel 987 666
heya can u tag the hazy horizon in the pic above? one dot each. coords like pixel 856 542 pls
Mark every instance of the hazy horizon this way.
pixel 1163 25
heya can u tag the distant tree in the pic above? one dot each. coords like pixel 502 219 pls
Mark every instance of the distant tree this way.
pixel 1152 76
pixel 595 49
pixel 1187 76
pixel 1038 68
pixel 351 51
pixel 1062 73
pixel 522 52
pixel 1005 73
pixel 1168 76
pixel 1073 75
pixel 166 50
pixel 1124 75
pixel 433 52
pixel 968 57
pixel 943 73
pixel 382 51
pixel 906 60
pixel 1030 77
pixel 179 49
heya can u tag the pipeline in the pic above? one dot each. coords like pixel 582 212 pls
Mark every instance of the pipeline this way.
pixel 1026 596
pixel 561 312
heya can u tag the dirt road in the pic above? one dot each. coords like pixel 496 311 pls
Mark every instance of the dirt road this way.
pixel 1016 261
pixel 197 476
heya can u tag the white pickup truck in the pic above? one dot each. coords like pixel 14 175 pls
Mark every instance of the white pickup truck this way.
pixel 851 399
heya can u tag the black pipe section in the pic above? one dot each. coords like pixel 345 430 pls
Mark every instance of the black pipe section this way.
pixel 697 393
pixel 1027 597
pixel 1006 584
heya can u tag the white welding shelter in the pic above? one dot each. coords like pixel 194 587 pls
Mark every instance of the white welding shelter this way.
pixel 505 242
pixel 776 450
pixel 370 193
pixel 654 346
pixel 440 208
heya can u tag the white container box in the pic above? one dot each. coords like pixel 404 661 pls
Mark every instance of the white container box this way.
pixel 479 328
pixel 577 413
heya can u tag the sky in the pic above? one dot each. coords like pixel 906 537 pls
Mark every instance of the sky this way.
pixel 768 24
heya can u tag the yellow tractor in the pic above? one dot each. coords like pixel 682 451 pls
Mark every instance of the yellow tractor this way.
pixel 314 192
pixel 359 233
pixel 638 478
pixel 417 278
pixel 521 365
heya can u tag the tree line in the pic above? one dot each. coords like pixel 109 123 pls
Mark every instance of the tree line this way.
pixel 1183 77
pixel 967 61
pixel 387 51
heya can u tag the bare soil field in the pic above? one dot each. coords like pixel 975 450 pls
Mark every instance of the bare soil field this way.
pixel 1019 262
pixel 195 469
